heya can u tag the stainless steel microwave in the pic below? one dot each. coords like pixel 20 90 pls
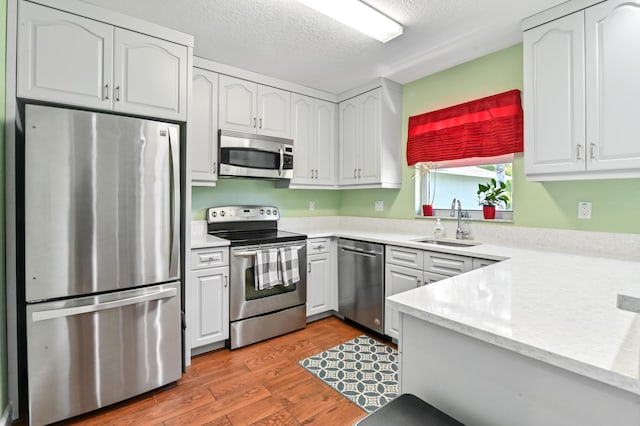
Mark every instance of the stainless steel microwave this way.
pixel 255 156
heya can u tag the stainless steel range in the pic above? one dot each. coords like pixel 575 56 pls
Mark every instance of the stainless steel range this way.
pixel 268 285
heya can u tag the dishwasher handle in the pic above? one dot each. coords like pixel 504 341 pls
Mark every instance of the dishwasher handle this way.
pixel 359 251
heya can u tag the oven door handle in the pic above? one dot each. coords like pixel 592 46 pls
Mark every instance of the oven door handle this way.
pixel 255 252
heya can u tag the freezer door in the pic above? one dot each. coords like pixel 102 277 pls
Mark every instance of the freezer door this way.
pixel 90 352
pixel 101 202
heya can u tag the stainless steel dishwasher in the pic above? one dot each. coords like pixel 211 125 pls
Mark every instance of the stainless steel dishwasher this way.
pixel 361 282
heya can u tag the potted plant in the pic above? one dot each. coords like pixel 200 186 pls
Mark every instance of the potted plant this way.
pixel 491 194
pixel 421 170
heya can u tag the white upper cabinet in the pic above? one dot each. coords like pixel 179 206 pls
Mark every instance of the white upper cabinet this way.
pixel 202 143
pixel 48 69
pixel 252 108
pixel 554 96
pixel 274 112
pixel 150 75
pixel 581 92
pixel 313 130
pixel 68 59
pixel 613 67
pixel 369 138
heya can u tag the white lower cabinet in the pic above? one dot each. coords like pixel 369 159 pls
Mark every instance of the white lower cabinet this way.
pixel 398 279
pixel 408 268
pixel 208 298
pixel 321 282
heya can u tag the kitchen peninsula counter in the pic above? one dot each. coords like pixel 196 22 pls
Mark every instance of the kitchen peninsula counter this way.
pixel 554 308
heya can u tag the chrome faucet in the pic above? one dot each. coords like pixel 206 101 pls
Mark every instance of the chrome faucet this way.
pixel 461 234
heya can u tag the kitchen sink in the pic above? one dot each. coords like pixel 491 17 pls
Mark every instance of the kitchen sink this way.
pixel 450 243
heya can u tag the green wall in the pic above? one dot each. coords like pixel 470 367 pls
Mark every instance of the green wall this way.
pixel 4 393
pixel 616 206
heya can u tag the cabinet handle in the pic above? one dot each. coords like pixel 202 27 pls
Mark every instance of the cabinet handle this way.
pixel 226 281
pixel 254 122
pixel 316 173
pixel 311 173
pixel 117 95
pixel 579 151
pixel 309 270
pixel 260 123
pixel 359 173
pixel 419 283
pixel 355 173
pixel 215 170
pixel 592 150
pixel 106 92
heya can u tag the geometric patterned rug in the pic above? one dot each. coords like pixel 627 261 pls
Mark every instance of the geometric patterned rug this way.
pixel 363 370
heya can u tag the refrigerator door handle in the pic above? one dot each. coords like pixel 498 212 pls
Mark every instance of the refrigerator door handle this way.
pixel 76 310
pixel 174 248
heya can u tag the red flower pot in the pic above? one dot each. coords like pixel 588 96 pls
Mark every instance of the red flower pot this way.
pixel 427 210
pixel 489 212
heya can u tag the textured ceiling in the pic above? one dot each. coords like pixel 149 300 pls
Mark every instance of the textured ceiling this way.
pixel 287 40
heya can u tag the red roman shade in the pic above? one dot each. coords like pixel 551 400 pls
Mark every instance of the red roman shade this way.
pixel 485 127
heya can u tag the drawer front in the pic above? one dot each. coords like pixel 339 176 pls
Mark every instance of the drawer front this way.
pixel 446 264
pixel 479 262
pixel 402 256
pixel 318 245
pixel 209 258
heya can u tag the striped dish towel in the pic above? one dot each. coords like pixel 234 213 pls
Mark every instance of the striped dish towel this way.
pixel 266 271
pixel 289 265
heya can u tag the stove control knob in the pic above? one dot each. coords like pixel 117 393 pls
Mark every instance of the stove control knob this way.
pixel 275 212
pixel 222 213
pixel 214 214
pixel 261 211
pixel 268 212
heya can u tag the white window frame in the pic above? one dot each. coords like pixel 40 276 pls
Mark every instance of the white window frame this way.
pixel 474 214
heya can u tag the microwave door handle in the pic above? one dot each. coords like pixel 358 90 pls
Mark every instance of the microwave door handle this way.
pixel 281 162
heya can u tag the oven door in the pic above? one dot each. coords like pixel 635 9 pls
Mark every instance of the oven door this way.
pixel 245 301
pixel 249 155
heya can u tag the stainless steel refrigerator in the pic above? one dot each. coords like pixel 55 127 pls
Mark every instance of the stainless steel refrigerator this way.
pixel 101 259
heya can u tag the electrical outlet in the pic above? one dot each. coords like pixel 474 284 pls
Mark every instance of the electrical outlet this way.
pixel 584 210
pixel 312 205
pixel 379 206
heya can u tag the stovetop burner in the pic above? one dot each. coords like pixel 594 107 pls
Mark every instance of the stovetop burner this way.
pixel 248 225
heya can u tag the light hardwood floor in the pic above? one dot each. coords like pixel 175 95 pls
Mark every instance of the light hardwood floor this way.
pixel 261 384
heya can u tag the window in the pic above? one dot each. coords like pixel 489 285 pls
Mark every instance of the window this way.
pixel 459 179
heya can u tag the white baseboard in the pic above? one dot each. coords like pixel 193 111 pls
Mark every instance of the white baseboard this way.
pixel 6 420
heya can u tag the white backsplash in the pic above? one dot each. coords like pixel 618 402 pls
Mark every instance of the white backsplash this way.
pixel 601 244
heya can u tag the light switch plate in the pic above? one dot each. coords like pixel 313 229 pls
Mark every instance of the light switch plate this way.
pixel 379 206
pixel 584 210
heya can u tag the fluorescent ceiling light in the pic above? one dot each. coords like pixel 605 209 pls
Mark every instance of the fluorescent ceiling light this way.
pixel 358 16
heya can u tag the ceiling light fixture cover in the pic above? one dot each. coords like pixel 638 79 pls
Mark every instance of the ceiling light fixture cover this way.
pixel 358 16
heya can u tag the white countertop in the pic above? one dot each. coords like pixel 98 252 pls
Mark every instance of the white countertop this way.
pixel 555 307
pixel 207 241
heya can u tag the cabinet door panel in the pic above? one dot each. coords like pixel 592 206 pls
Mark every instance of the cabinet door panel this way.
pixel 613 67
pixel 48 69
pixel 325 141
pixel 318 284
pixel 370 148
pixel 397 280
pixel 149 76
pixel 210 303
pixel 350 133
pixel 554 96
pixel 274 112
pixel 203 127
pixel 303 141
pixel 237 107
